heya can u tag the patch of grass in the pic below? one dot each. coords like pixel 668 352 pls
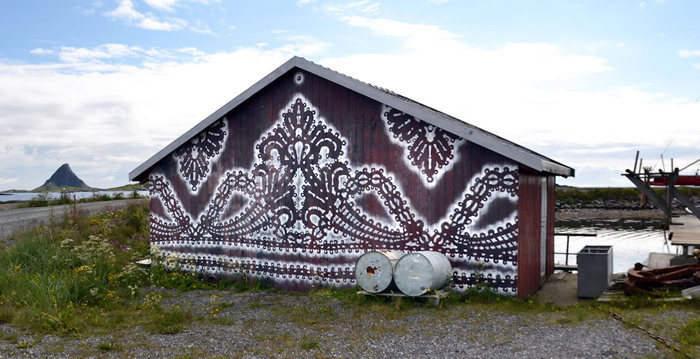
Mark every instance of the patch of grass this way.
pixel 7 313
pixel 690 333
pixel 55 349
pixel 55 278
pixel 25 344
pixel 12 338
pixel 168 322
pixel 243 284
pixel 308 343
pixel 107 346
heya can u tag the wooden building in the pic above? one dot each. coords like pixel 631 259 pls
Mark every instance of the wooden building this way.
pixel 305 171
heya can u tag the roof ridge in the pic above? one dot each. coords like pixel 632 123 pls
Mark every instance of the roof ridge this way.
pixel 382 95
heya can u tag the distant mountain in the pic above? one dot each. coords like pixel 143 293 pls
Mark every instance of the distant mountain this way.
pixel 64 177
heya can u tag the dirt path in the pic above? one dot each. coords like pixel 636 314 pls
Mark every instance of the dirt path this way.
pixel 17 219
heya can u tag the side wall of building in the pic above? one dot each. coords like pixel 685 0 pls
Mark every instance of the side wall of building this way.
pixel 551 216
pixel 536 253
pixel 529 242
pixel 294 184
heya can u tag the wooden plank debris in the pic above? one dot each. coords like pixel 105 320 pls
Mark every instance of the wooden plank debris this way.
pixel 686 231
pixel 433 296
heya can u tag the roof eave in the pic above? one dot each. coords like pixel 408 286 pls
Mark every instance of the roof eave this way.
pixel 457 127
pixel 137 173
pixel 451 125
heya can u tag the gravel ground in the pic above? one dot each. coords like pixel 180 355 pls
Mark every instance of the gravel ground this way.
pixel 17 219
pixel 286 325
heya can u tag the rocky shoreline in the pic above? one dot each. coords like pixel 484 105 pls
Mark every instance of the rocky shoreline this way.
pixel 612 209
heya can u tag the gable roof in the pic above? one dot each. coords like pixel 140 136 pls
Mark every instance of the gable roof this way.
pixel 425 113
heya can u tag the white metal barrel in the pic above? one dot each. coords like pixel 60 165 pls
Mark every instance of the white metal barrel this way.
pixel 374 270
pixel 418 272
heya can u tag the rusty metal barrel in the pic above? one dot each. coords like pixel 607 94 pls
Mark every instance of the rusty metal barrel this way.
pixel 374 270
pixel 419 272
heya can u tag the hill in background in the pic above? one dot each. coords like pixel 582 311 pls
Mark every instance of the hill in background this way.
pixel 64 177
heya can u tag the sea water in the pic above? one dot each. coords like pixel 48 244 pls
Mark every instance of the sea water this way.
pixel 78 195
pixel 629 245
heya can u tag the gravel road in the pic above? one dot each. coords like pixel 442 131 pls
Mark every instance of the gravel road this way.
pixel 17 219
pixel 286 325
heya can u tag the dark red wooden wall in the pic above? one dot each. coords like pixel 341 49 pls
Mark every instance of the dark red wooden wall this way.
pixel 499 202
pixel 530 208
pixel 551 208
pixel 529 233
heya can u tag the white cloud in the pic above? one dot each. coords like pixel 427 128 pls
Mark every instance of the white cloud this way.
pixel 107 51
pixel 595 150
pixel 89 11
pixel 128 13
pixel 305 2
pixel 4 181
pixel 305 45
pixel 641 6
pixel 201 28
pixel 529 94
pixel 600 45
pixel 105 118
pixel 688 53
pixel 192 51
pixel 595 47
pixel 371 9
pixel 438 1
pixel 40 51
pixel 168 5
pixel 432 48
pixel 362 7
pixel 98 57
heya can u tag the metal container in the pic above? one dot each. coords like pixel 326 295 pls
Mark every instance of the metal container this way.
pixel 374 271
pixel 595 270
pixel 419 272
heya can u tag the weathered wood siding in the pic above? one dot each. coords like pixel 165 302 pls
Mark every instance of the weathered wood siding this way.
pixel 551 208
pixel 530 203
pixel 294 184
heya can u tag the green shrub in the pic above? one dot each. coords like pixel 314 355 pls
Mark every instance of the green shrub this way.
pixel 40 200
pixel 52 275
pixel 100 197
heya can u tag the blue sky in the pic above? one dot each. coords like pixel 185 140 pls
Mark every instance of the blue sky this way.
pixel 103 85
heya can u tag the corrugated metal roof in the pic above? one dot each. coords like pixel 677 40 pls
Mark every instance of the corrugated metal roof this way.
pixel 428 114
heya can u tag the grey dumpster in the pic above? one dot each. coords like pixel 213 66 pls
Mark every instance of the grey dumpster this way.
pixel 595 270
